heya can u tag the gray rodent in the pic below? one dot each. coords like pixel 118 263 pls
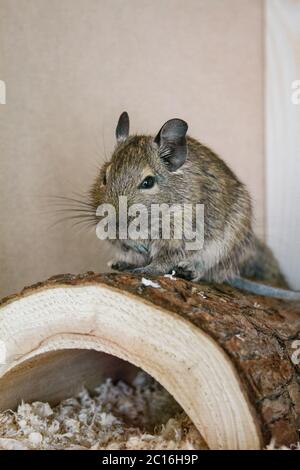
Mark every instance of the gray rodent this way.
pixel 174 168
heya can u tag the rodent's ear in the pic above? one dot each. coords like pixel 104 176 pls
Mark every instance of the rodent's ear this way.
pixel 172 143
pixel 122 129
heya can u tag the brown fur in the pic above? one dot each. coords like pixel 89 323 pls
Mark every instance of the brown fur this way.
pixel 230 246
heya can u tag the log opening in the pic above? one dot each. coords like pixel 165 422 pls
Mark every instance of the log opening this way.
pixel 215 350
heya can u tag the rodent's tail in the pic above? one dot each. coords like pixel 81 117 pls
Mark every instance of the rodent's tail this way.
pixel 263 289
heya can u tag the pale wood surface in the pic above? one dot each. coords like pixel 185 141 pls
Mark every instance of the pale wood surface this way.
pixel 223 355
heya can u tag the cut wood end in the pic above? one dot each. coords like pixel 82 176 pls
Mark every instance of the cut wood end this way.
pixel 211 347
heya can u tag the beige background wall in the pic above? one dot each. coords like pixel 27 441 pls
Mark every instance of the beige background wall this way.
pixel 71 67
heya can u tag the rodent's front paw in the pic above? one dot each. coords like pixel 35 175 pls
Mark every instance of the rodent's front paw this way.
pixel 121 266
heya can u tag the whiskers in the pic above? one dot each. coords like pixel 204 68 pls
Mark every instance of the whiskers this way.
pixel 78 210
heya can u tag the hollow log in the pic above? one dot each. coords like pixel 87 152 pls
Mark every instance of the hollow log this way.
pixel 227 357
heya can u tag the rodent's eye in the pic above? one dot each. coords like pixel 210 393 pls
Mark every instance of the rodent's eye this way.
pixel 147 183
pixel 104 179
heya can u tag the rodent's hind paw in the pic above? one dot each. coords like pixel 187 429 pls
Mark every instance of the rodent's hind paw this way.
pixel 184 273
pixel 187 271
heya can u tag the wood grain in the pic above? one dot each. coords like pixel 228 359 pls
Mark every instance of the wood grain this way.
pixel 224 356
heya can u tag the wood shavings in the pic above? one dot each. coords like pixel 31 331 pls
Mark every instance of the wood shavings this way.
pixel 171 276
pixel 240 337
pixel 149 283
pixel 202 295
pixel 141 416
pixel 273 446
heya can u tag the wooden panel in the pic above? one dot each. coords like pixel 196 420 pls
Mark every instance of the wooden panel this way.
pixel 283 133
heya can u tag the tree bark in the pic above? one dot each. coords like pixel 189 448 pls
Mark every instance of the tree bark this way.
pixel 229 358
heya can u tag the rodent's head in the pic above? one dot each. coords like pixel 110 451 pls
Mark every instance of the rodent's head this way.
pixel 144 169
